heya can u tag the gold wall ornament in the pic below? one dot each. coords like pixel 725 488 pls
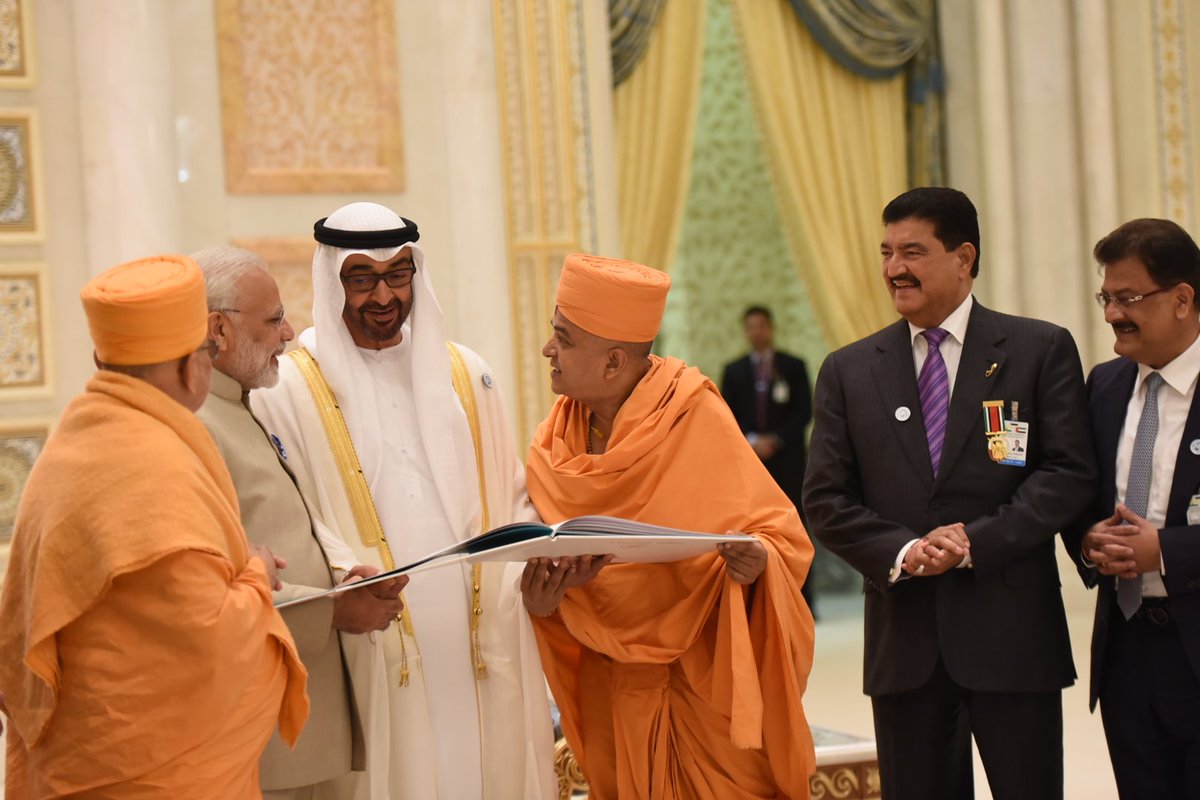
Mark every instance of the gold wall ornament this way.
pixel 310 98
pixel 20 177
pixel 1176 139
pixel 16 44
pixel 24 332
pixel 549 193
pixel 21 442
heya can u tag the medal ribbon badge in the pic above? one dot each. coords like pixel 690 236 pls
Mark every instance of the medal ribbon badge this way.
pixel 993 426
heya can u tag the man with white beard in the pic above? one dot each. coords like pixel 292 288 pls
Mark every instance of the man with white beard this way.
pixel 400 443
pixel 246 321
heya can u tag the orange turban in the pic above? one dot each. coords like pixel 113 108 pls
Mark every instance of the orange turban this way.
pixel 611 298
pixel 147 311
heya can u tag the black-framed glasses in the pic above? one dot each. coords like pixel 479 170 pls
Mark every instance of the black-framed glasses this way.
pixel 362 282
pixel 1127 300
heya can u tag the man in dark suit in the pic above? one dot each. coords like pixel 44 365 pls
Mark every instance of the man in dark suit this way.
pixel 1140 541
pixel 915 477
pixel 769 394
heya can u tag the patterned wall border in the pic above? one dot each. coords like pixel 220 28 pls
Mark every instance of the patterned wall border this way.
pixel 845 782
pixel 290 260
pixel 20 177
pixel 251 120
pixel 1171 87
pixel 21 442
pixel 16 44
pixel 26 364
pixel 548 190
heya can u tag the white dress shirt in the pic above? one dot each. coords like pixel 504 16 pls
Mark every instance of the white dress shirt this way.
pixel 951 349
pixel 1174 403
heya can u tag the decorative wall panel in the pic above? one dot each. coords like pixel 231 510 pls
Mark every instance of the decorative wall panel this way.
pixel 290 261
pixel 548 190
pixel 20 186
pixel 20 445
pixel 24 344
pixel 309 96
pixel 16 44
pixel 1175 141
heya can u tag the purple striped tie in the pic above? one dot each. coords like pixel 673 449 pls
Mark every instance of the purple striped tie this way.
pixel 933 385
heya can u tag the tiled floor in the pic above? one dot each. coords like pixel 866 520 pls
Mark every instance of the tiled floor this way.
pixel 835 699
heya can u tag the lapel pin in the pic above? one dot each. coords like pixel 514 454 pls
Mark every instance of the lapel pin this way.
pixel 902 415
pixel 991 370
pixel 1195 447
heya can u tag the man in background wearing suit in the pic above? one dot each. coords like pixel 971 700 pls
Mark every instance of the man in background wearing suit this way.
pixel 915 479
pixel 246 320
pixel 769 394
pixel 1140 542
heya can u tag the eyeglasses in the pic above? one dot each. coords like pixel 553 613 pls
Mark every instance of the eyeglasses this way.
pixel 1127 300
pixel 275 321
pixel 362 282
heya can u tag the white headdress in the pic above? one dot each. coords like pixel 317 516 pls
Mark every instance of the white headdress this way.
pixel 381 234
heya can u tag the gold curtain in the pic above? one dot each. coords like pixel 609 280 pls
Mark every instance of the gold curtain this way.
pixel 654 114
pixel 835 144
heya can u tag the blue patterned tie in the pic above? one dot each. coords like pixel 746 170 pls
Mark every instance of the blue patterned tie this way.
pixel 933 386
pixel 1137 489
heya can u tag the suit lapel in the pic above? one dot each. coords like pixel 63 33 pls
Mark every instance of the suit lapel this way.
pixel 1187 468
pixel 972 385
pixel 1107 424
pixel 896 380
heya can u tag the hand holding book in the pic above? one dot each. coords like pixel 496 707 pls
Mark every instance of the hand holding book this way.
pixel 545 581
pixel 624 540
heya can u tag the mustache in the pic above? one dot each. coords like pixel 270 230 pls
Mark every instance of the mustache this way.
pixel 906 278
pixel 371 305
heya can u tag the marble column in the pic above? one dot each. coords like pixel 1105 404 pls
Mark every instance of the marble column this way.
pixel 127 133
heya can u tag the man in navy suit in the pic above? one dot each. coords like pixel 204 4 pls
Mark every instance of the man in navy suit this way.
pixel 1140 542
pixel 947 452
pixel 771 399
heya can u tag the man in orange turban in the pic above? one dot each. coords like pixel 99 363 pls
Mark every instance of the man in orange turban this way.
pixel 677 680
pixel 140 655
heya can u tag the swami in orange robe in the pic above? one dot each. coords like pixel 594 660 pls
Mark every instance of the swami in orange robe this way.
pixel 674 681
pixel 140 655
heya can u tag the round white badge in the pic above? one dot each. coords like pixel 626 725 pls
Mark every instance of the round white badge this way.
pixel 902 413
pixel 1195 447
pixel 487 380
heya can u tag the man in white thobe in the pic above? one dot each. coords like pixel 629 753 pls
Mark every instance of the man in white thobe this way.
pixel 399 442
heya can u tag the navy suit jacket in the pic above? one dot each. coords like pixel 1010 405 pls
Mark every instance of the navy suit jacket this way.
pixel 870 488
pixel 1110 387
pixel 788 420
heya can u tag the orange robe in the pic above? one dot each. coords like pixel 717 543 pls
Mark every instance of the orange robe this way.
pixel 673 680
pixel 140 655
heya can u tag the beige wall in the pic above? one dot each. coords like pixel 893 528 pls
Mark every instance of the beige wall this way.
pixel 1064 120
pixel 132 161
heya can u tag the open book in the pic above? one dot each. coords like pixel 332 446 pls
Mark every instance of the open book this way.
pixel 625 540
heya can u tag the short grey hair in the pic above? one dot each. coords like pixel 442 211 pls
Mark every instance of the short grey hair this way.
pixel 223 266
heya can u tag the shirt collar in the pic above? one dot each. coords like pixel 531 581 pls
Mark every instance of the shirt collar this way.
pixel 224 386
pixel 1180 373
pixel 955 324
pixel 767 355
